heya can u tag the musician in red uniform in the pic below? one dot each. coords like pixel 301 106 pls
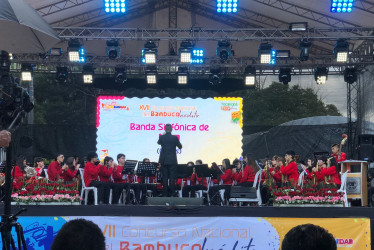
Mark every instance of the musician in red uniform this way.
pixel 196 183
pixel 18 171
pixel 91 178
pixel 39 167
pixel 55 170
pixel 290 171
pixel 314 173
pixel 122 182
pixel 331 172
pixel 277 176
pixel 247 176
pixel 335 153
pixel 69 174
pixel 225 183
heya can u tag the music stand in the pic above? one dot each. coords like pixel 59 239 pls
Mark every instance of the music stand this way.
pixel 184 171
pixel 203 170
pixel 146 169
pixel 129 167
pixel 319 155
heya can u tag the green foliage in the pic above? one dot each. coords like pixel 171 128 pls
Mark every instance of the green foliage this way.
pixel 280 103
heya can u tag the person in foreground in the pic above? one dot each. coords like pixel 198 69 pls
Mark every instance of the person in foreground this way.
pixel 79 234
pixel 308 237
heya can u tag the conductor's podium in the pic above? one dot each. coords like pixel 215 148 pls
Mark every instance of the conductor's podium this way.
pixel 357 180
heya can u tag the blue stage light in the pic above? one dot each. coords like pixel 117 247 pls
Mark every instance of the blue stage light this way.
pixel 197 56
pixel 115 6
pixel 227 6
pixel 341 6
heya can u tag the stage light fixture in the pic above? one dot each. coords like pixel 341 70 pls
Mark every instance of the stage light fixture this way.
pixel 304 46
pixel 197 56
pixel 224 50
pixel 265 53
pixel 341 6
pixel 250 76
pixel 88 74
pixel 283 54
pixel 113 50
pixel 151 74
pixel 185 52
pixel 149 53
pixel 120 75
pixel 75 51
pixel 182 75
pixel 227 6
pixel 115 6
pixel 341 50
pixel 55 52
pixel 214 77
pixel 320 75
pixel 62 74
pixel 350 75
pixel 4 61
pixel 301 26
pixel 284 75
pixel 26 72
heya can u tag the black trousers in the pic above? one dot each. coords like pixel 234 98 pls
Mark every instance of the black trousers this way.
pixel 214 193
pixel 168 179
pixel 103 189
pixel 192 189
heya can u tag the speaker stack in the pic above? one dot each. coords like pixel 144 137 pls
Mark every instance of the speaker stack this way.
pixel 366 147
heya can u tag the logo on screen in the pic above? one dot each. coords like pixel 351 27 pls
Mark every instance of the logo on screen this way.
pixel 229 106
pixel 113 106
pixel 103 153
pixel 344 242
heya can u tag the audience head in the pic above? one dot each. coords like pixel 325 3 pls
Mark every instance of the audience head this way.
pixel 92 157
pixel 308 237
pixel 198 162
pixel 168 128
pixel 79 234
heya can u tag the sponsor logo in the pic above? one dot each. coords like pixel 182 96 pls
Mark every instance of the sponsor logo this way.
pixel 344 242
pixel 113 106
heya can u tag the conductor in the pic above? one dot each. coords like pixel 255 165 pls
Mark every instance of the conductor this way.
pixel 168 159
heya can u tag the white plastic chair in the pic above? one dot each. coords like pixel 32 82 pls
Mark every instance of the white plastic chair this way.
pixel 86 190
pixel 46 174
pixel 200 193
pixel 300 183
pixel 343 189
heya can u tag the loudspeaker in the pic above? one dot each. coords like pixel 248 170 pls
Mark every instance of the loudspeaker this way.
pixel 243 192
pixel 366 148
pixel 174 201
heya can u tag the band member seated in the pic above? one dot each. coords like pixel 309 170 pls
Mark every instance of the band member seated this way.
pixel 39 167
pixel 277 176
pixel 335 153
pixel 246 177
pixel 225 183
pixel 331 172
pixel 91 178
pixel 70 173
pixel 147 183
pixel 197 183
pixel 315 176
pixel 289 172
pixel 55 170
pixel 18 171
pixel 122 182
pixel 105 175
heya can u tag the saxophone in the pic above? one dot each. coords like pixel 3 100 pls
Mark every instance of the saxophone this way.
pixel 329 177
pixel 314 174
pixel 269 179
pixel 285 177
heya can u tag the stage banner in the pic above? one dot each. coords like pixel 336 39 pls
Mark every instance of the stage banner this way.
pixel 209 129
pixel 197 233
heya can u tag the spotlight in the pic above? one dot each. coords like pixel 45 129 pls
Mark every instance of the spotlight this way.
pixel 55 52
pixel 283 54
pixel 26 72
pixel 302 26
pixel 341 50
pixel 75 51
pixel 149 53
pixel 341 6
pixel 304 46
pixel 62 74
pixel 284 75
pixel 224 50
pixel 350 75
pixel 265 53
pixel 197 56
pixel 88 73
pixel 120 75
pixel 113 50
pixel 182 75
pixel 115 6
pixel 320 75
pixel 214 77
pixel 250 76
pixel 4 61
pixel 227 6
pixel 185 52
pixel 151 74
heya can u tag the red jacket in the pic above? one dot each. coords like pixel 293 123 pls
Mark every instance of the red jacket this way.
pixel 105 173
pixel 227 177
pixel 54 171
pixel 39 171
pixel 318 175
pixel 291 171
pixel 117 175
pixel 91 173
pixel 277 175
pixel 343 157
pixel 17 173
pixel 331 171
pixel 201 180
pixel 69 175
pixel 248 175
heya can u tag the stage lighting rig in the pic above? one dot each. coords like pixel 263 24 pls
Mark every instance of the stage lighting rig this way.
pixel 301 26
pixel 227 6
pixel 341 6
pixel 341 50
pixel 75 51
pixel 149 53
pixel 113 49
pixel 214 77
pixel 250 76
pixel 26 72
pixel 304 46
pixel 197 56
pixel 62 74
pixel 350 75
pixel 120 75
pixel 151 74
pixel 185 52
pixel 284 75
pixel 320 75
pixel 115 6
pixel 55 52
pixel 266 54
pixel 182 75
pixel 88 74
pixel 224 50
